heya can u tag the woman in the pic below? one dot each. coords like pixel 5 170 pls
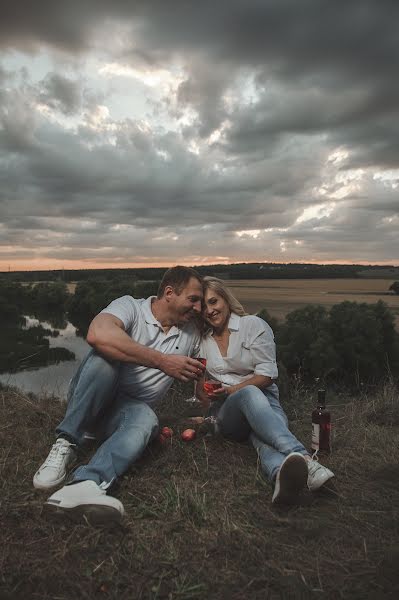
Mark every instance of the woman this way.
pixel 241 354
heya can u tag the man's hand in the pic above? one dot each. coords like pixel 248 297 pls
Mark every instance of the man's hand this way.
pixel 182 368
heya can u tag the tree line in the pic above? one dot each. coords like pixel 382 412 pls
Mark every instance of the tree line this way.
pixel 232 271
pixel 351 343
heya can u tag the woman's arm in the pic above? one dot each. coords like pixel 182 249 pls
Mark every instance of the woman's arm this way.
pixel 260 381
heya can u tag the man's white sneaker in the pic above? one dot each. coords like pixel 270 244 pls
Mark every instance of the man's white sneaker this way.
pixel 53 470
pixel 291 479
pixel 85 499
pixel 318 475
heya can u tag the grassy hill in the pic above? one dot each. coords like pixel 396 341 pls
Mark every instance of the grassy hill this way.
pixel 199 520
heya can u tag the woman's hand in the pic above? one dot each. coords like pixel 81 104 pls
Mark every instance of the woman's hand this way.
pixel 230 389
pixel 218 393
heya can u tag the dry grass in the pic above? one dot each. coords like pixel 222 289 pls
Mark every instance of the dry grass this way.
pixel 199 521
pixel 281 296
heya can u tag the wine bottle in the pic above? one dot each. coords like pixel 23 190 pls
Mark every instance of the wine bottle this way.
pixel 321 425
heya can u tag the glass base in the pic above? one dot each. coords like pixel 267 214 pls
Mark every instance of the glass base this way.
pixel 192 400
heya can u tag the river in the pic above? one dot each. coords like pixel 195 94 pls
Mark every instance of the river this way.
pixel 54 379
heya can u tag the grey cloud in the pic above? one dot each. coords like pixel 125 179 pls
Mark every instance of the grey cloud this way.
pixel 60 93
pixel 203 91
pixel 338 63
pixel 350 233
pixel 324 76
pixel 373 143
pixel 131 182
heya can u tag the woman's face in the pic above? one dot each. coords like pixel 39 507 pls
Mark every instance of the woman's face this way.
pixel 216 311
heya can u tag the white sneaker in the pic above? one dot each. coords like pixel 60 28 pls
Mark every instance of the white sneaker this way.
pixel 53 470
pixel 291 479
pixel 318 475
pixel 85 499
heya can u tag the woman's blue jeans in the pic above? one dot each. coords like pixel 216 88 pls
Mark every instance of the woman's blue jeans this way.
pixel 126 425
pixel 257 414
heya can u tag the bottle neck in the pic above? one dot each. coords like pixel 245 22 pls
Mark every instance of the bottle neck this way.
pixel 321 399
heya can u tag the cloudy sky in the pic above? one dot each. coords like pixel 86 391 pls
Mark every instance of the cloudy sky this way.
pixel 156 132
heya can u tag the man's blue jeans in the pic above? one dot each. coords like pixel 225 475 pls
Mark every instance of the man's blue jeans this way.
pixel 257 414
pixel 126 425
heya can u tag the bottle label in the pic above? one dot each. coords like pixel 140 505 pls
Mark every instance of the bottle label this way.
pixel 315 436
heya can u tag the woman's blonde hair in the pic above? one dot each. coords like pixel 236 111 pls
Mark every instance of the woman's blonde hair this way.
pixel 218 286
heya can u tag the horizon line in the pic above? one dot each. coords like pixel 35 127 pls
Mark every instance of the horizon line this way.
pixel 222 264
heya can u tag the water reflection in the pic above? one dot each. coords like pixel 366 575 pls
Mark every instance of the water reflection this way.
pixel 52 379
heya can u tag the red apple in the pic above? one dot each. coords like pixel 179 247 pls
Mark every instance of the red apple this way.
pixel 167 432
pixel 188 435
pixel 161 439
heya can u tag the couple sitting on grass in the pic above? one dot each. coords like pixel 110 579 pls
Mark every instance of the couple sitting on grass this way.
pixel 139 347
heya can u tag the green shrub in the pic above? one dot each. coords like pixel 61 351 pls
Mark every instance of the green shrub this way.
pixel 354 343
pixel 395 287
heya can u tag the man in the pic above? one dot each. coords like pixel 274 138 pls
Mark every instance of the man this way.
pixel 139 347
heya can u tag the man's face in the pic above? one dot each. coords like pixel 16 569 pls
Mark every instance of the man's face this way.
pixel 186 305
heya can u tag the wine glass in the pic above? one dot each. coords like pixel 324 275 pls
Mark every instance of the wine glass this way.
pixel 210 386
pixel 193 399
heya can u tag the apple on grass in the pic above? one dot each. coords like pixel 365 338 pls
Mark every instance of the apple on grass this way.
pixel 167 432
pixel 188 435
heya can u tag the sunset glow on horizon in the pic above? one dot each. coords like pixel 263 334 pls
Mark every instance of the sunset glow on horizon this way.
pixel 75 265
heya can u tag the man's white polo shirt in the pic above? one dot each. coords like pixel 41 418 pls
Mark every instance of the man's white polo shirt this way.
pixel 145 383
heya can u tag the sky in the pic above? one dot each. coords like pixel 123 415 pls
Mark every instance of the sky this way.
pixel 153 132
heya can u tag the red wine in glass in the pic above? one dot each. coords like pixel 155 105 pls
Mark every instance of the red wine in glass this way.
pixel 211 385
pixel 193 399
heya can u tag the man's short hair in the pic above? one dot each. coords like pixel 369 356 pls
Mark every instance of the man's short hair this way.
pixel 177 277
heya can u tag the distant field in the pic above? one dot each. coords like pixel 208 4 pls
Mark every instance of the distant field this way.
pixel 281 296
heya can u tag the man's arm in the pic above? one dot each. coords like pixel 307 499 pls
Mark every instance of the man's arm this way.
pixel 107 336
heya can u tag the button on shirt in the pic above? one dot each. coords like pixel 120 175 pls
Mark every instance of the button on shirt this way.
pixel 251 351
pixel 137 381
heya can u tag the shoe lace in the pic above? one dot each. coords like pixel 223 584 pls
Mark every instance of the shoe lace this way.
pixel 57 453
pixel 315 455
pixel 314 466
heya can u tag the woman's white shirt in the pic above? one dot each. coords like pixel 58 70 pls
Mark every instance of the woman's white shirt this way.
pixel 251 351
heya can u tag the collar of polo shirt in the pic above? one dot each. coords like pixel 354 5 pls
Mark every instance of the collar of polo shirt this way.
pixel 146 307
pixel 150 318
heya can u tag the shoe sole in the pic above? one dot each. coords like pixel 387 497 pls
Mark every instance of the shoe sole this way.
pixel 293 479
pixel 94 514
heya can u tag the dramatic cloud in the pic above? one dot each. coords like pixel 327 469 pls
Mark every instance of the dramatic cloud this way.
pixel 164 132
